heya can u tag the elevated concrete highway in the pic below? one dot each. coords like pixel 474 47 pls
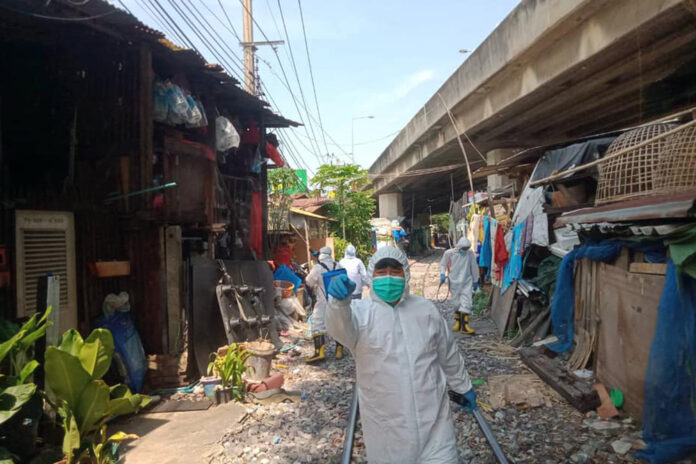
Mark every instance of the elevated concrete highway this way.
pixel 552 71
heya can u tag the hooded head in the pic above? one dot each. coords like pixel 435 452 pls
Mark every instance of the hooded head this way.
pixel 324 253
pixel 463 244
pixel 390 253
pixel 350 251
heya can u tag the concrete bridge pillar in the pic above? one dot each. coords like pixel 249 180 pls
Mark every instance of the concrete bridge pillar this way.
pixel 391 205
pixel 496 181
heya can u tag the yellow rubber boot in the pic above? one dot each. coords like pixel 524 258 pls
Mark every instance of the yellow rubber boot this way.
pixel 465 325
pixel 339 351
pixel 319 350
pixel 457 322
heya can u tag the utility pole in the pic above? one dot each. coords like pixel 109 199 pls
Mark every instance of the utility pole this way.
pixel 249 47
pixel 249 75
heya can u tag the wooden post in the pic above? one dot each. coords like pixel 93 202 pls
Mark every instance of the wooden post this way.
pixel 309 253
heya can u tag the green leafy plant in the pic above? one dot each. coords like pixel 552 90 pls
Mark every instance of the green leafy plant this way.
pixel 105 449
pixel 15 386
pixel 85 402
pixel 230 367
pixel 350 205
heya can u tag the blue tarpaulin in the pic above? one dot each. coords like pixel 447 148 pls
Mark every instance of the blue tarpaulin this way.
pixel 669 409
pixel 563 304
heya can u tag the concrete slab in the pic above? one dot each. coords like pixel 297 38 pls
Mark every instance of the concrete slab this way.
pixel 178 437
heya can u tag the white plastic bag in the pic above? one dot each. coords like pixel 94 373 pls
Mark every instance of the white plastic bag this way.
pixel 226 135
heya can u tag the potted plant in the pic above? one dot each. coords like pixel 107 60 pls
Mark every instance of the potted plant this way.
pixel 74 370
pixel 230 367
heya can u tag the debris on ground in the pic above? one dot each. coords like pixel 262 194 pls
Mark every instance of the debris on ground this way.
pixel 311 431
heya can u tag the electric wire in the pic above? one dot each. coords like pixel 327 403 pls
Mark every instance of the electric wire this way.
pixel 294 68
pixel 175 26
pixel 226 50
pixel 59 18
pixel 159 22
pixel 285 78
pixel 311 75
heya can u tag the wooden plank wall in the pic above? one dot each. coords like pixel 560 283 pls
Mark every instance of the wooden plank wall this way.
pixel 628 315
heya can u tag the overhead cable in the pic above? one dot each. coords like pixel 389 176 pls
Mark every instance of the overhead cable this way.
pixel 311 75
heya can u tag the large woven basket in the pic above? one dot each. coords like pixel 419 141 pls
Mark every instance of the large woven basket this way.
pixel 677 171
pixel 634 173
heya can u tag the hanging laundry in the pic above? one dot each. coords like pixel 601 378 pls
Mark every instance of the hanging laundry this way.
pixel 513 269
pixel 473 232
pixel 485 255
pixel 540 233
pixel 493 232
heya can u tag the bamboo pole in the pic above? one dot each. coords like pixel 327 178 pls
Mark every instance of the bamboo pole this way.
pixel 562 174
pixel 459 139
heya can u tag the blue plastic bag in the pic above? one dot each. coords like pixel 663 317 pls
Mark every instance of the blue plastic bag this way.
pixel 128 346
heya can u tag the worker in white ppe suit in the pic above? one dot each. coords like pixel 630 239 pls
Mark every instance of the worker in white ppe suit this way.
pixel 463 281
pixel 356 271
pixel 325 263
pixel 405 359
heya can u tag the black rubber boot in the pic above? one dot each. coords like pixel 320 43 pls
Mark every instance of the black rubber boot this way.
pixel 319 349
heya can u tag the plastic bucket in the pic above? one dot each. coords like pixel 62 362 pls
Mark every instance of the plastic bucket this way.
pixel 259 363
pixel 286 288
pixel 209 384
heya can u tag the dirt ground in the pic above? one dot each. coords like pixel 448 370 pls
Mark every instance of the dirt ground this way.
pixel 312 430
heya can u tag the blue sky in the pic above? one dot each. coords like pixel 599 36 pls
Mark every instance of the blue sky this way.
pixel 380 58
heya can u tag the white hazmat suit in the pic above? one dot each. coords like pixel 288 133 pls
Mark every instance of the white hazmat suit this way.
pixel 463 273
pixel 314 279
pixel 355 269
pixel 405 358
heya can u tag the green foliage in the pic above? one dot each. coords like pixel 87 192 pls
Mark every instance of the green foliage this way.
pixel 281 181
pixel 15 387
pixel 441 221
pixel 85 402
pixel 105 449
pixel 230 368
pixel 339 246
pixel 480 302
pixel 351 207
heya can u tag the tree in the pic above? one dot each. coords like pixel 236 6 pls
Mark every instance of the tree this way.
pixel 340 181
pixel 441 221
pixel 351 206
pixel 281 181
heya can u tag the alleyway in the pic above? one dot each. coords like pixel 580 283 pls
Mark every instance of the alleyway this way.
pixel 312 431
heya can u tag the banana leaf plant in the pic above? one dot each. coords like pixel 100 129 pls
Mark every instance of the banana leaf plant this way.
pixel 74 372
pixel 15 386
pixel 230 367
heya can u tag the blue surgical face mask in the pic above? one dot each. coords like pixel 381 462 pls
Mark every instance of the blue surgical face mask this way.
pixel 389 288
pixel 463 251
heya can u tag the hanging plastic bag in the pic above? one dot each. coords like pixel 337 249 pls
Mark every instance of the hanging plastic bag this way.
pixel 226 135
pixel 204 118
pixel 178 106
pixel 193 115
pixel 159 107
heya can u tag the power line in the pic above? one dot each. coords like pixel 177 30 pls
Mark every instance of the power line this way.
pixel 59 18
pixel 294 68
pixel 285 77
pixel 215 36
pixel 311 74
pixel 229 21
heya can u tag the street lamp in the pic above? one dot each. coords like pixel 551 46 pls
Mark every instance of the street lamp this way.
pixel 352 134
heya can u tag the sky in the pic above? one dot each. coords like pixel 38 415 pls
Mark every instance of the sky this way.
pixel 379 58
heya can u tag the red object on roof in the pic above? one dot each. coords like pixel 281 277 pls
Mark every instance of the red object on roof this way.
pixel 274 154
pixel 251 134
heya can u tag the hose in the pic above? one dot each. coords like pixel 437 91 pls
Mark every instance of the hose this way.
pixel 488 433
pixel 437 296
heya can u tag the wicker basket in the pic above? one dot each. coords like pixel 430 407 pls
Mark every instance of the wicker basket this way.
pixel 635 173
pixel 677 171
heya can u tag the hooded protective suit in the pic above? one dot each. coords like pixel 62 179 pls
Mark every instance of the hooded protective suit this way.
pixel 405 357
pixel 325 263
pixel 355 269
pixel 463 272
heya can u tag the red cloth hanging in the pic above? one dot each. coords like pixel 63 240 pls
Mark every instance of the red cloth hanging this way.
pixel 256 225
pixel 251 134
pixel 273 153
pixel 501 254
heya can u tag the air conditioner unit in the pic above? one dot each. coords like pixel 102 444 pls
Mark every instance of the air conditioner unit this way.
pixel 45 244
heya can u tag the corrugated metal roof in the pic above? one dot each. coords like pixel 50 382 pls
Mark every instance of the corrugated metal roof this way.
pixel 106 15
pixel 681 205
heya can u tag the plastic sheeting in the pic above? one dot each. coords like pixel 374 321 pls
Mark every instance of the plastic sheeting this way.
pixel 669 411
pixel 571 156
pixel 563 303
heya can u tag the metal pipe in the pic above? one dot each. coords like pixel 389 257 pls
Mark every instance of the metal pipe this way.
pixel 350 431
pixel 140 192
pixel 488 433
